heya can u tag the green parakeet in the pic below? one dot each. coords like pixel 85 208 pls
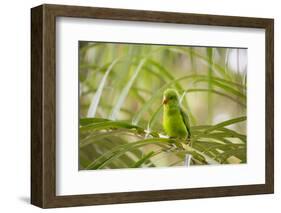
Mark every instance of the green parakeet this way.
pixel 175 121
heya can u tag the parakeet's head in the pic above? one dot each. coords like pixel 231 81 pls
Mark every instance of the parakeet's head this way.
pixel 170 97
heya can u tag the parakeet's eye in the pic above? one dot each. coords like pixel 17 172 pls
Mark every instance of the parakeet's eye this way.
pixel 172 97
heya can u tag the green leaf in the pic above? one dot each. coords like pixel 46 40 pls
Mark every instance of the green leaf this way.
pixel 226 123
pixel 125 91
pixel 109 125
pixel 117 152
pixel 96 98
pixel 87 121
pixel 143 159
pixel 217 93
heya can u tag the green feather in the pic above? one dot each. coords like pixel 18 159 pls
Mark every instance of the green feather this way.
pixel 175 121
pixel 186 121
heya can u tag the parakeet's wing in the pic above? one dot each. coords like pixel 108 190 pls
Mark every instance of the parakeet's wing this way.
pixel 186 121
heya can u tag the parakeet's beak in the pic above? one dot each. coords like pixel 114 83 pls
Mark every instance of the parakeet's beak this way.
pixel 164 101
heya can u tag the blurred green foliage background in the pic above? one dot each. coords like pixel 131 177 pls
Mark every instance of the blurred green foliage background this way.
pixel 121 89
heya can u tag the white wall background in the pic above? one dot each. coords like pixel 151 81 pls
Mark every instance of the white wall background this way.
pixel 15 105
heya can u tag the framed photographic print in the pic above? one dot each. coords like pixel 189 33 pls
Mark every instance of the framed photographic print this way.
pixel 136 106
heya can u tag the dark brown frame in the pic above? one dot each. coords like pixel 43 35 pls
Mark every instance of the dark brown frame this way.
pixel 43 105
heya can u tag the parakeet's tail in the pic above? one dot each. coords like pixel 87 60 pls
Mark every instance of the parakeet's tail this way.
pixel 189 139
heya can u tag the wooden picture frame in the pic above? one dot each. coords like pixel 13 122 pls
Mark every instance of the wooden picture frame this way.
pixel 43 105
